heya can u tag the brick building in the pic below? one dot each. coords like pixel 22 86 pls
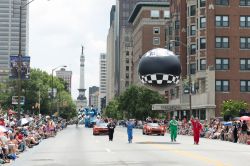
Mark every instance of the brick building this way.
pixel 218 45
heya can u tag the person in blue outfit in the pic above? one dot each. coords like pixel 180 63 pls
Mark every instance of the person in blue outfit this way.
pixel 130 126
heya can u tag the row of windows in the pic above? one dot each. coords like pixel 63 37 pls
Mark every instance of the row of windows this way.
pixel 226 2
pixel 224 85
pixel 156 14
pixel 221 64
pixel 220 21
pixel 220 42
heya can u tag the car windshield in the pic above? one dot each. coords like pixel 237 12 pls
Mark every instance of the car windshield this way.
pixel 153 124
pixel 102 125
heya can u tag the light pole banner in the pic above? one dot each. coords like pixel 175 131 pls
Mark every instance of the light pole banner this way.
pixel 24 67
pixel 15 100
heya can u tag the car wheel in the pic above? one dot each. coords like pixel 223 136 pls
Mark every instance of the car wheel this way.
pixel 143 132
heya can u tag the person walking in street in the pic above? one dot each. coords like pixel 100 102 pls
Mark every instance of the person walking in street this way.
pixel 130 126
pixel 173 124
pixel 235 133
pixel 196 129
pixel 111 129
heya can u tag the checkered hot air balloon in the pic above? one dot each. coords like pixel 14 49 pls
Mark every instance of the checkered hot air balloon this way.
pixel 159 68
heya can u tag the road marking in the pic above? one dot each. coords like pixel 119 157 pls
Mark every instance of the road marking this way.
pixel 108 150
pixel 187 154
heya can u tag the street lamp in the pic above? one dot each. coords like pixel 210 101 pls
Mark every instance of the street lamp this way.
pixel 52 85
pixel 189 72
pixel 20 54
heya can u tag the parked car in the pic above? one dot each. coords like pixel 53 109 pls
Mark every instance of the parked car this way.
pixel 153 128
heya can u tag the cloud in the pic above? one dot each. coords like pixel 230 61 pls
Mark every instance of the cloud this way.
pixel 58 28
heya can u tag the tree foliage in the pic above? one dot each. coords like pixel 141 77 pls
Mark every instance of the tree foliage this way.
pixel 40 82
pixel 232 107
pixel 135 102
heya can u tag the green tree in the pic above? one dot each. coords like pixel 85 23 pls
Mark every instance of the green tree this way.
pixel 232 107
pixel 112 110
pixel 40 82
pixel 136 102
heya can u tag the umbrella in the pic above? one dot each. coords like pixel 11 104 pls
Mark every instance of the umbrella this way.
pixel 3 129
pixel 246 118
pixel 227 123
pixel 22 122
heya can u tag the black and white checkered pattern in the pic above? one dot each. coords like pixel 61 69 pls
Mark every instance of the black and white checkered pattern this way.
pixel 159 79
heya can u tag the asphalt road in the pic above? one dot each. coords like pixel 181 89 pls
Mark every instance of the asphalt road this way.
pixel 78 147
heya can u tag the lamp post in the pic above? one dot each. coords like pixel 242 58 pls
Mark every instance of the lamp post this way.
pixel 20 54
pixel 52 85
pixel 189 73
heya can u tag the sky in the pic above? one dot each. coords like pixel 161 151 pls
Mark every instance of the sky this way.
pixel 58 29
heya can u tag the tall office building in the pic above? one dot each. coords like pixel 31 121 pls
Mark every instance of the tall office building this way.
pixel 123 43
pixel 93 91
pixel 9 32
pixel 111 57
pixel 66 76
pixel 218 48
pixel 148 21
pixel 103 80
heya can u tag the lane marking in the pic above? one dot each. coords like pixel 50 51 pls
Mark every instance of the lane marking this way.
pixel 184 153
pixel 108 150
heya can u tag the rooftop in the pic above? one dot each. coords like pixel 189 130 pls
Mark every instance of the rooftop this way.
pixel 139 5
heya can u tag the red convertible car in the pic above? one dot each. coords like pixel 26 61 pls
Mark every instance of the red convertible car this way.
pixel 153 128
pixel 100 128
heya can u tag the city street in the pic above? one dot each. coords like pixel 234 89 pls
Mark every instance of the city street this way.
pixel 78 147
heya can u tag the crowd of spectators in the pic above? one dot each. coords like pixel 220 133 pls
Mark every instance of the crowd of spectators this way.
pixel 16 136
pixel 235 131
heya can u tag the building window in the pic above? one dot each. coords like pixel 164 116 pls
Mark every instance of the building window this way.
pixel 222 64
pixel 170 30
pixel 193 49
pixel 166 14
pixel 202 43
pixel 245 64
pixel 155 13
pixel 127 68
pixel 192 68
pixel 192 30
pixel 177 24
pixel 245 85
pixel 245 42
pixel 203 22
pixel 222 85
pixel 203 64
pixel 244 21
pixel 202 3
pixel 127 60
pixel 156 30
pixel 244 2
pixel 127 75
pixel 127 53
pixel 222 42
pixel 156 41
pixel 177 41
pixel 192 10
pixel 222 21
pixel 222 2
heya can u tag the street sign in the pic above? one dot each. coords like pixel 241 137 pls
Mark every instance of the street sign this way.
pixel 24 67
pixel 15 100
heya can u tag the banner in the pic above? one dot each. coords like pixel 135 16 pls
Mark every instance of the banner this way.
pixel 15 100
pixel 24 67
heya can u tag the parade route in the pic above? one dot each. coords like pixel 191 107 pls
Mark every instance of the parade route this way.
pixel 78 147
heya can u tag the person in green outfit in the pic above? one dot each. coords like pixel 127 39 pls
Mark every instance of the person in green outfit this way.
pixel 173 129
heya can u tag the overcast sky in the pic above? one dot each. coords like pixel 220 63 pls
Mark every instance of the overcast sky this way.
pixel 58 28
